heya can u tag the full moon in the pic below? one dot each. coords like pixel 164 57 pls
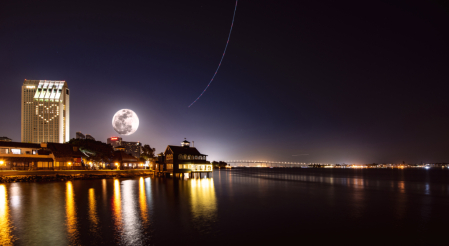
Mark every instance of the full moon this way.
pixel 125 122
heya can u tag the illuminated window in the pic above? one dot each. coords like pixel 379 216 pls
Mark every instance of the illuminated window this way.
pixel 180 166
pixel 4 151
pixel 16 151
pixel 180 157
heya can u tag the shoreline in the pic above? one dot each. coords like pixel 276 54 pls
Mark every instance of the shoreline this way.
pixel 8 176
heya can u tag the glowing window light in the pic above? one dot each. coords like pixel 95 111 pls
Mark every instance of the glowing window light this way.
pixel 16 151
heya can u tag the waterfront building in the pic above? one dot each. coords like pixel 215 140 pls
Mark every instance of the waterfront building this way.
pixel 45 111
pixel 80 135
pixel 185 159
pixel 157 163
pixel 88 136
pixel 123 160
pixel 29 156
pixel 21 156
pixel 5 139
pixel 65 156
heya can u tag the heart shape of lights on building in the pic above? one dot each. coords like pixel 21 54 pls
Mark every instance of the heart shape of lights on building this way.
pixel 52 110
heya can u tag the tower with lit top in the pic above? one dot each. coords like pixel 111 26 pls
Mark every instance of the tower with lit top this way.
pixel 185 143
pixel 45 111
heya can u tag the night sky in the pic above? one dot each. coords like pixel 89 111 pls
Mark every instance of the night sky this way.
pixel 303 81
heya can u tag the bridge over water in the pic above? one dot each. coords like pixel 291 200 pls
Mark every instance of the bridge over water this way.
pixel 255 163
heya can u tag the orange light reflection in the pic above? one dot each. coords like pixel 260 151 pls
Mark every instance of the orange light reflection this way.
pixel 204 203
pixel 71 221
pixel 93 217
pixel 5 225
pixel 143 201
pixel 117 206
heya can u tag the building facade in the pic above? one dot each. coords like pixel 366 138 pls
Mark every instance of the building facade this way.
pixel 114 141
pixel 45 111
pixel 44 156
pixel 133 148
pixel 123 161
pixel 88 136
pixel 185 159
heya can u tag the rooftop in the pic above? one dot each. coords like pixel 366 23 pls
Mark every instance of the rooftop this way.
pixel 185 150
pixel 19 145
pixel 64 150
pixel 123 156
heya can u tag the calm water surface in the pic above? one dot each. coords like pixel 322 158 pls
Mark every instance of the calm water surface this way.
pixel 234 207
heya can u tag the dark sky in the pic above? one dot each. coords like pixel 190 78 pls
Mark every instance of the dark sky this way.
pixel 305 81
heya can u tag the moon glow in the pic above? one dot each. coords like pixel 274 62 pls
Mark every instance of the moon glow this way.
pixel 125 122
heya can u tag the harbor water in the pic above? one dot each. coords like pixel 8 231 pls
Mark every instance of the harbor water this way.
pixel 253 206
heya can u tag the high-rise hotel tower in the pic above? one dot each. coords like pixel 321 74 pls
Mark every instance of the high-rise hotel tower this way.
pixel 45 111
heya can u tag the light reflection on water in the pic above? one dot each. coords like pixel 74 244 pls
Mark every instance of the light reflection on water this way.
pixel 104 194
pixel 71 220
pixel 204 203
pixel 143 201
pixel 353 182
pixel 401 200
pixel 232 206
pixel 6 237
pixel 117 209
pixel 130 215
pixel 93 217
